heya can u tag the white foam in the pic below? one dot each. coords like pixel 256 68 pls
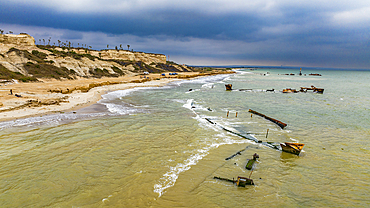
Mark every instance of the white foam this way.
pixel 208 85
pixel 169 178
pixel 120 109
pixel 207 79
pixel 54 119
pixel 116 94
pixel 294 140
pixel 188 104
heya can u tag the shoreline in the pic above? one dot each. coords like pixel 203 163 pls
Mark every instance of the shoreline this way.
pixel 38 99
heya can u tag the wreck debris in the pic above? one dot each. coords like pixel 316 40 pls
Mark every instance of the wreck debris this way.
pixel 240 181
pixel 279 123
pixel 238 153
pixel 289 90
pixel 251 162
pixel 294 148
pixel 248 136
pixel 313 88
pixel 228 86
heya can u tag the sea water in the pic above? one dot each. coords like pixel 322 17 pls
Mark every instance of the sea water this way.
pixel 153 147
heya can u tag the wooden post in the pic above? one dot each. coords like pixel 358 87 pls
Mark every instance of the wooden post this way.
pixel 236 114
pixel 250 174
pixel 227 115
pixel 267 133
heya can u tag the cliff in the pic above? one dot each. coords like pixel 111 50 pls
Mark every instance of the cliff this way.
pixel 17 40
pixel 22 59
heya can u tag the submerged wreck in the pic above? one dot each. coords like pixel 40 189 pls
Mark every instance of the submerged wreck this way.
pixel 294 148
pixel 289 90
pixel 228 86
pixel 313 88
pixel 251 162
pixel 279 123
pixel 240 181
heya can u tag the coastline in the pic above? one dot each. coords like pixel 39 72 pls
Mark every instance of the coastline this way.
pixel 42 98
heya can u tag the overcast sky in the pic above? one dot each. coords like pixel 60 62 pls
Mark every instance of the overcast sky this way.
pixel 317 33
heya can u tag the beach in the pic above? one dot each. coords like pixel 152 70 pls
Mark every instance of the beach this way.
pixel 40 98
pixel 154 146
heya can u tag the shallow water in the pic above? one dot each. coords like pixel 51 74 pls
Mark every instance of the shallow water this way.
pixel 152 147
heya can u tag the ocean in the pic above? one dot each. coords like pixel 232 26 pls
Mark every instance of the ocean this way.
pixel 153 147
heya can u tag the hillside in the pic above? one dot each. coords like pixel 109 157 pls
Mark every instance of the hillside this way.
pixel 22 60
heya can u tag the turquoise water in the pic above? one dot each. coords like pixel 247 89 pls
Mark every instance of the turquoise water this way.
pixel 152 147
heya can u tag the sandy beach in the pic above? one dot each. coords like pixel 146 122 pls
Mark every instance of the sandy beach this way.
pixel 52 96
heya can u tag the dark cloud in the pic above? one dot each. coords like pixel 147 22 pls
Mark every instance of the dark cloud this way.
pixel 292 32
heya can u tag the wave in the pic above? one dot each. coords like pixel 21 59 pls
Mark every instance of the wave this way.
pixel 54 119
pixel 169 178
pixel 202 80
pixel 221 138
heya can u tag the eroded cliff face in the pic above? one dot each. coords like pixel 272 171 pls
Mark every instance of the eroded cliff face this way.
pixel 17 40
pixel 19 51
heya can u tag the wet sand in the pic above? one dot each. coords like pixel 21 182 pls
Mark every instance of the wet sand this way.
pixel 52 96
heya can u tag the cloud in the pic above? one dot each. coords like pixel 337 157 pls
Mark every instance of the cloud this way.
pixel 352 18
pixel 134 6
pixel 235 31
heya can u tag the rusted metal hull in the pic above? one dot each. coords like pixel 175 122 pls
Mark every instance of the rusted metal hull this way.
pixel 294 148
pixel 313 88
pixel 250 164
pixel 288 90
pixel 279 123
pixel 240 181
pixel 243 181
pixel 228 86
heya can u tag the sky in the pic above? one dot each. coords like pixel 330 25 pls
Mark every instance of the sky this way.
pixel 315 33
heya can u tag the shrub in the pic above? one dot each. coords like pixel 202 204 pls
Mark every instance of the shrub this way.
pixel 39 54
pixel 44 70
pixel 7 74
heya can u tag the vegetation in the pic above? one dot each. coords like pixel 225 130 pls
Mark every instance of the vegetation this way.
pixel 167 67
pixel 118 71
pixel 39 54
pixel 7 74
pixel 99 73
pixel 40 67
pixel 38 58
pixel 43 70
pixel 72 54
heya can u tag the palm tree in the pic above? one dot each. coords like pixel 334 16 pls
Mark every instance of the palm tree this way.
pixel 49 40
pixel 43 41
pixel 107 46
pixel 1 31
pixel 128 46
pixel 120 46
